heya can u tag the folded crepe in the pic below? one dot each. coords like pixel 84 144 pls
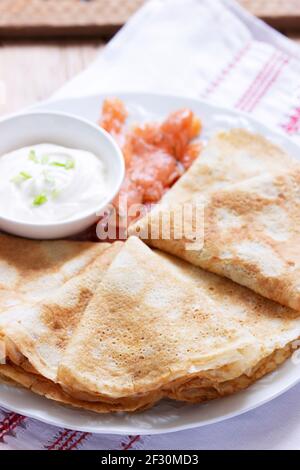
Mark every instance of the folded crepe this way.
pixel 15 376
pixel 229 157
pixel 244 225
pixel 36 332
pixel 157 325
pixel 29 269
pixel 250 234
pixel 194 389
pixel 157 328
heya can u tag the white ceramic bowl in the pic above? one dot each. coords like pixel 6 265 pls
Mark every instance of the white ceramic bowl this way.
pixel 22 130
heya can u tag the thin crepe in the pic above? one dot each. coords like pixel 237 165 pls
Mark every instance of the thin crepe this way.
pixel 16 376
pixel 29 269
pixel 230 157
pixel 155 320
pixel 251 235
pixel 267 260
pixel 196 389
pixel 36 333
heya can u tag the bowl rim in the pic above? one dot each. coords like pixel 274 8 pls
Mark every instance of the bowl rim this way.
pixel 105 201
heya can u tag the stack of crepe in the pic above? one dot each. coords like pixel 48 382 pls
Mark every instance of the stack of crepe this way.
pixel 119 327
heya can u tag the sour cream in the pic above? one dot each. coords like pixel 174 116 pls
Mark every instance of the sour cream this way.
pixel 47 183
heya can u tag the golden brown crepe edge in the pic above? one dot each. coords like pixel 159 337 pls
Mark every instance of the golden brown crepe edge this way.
pixel 197 389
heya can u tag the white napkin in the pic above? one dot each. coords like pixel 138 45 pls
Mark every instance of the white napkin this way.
pixel 208 49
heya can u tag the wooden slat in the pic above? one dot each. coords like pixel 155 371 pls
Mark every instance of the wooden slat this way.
pixel 281 14
pixel 294 37
pixel 64 18
pixel 102 18
pixel 30 72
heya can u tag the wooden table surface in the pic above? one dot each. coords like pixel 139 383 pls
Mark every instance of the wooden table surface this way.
pixel 32 71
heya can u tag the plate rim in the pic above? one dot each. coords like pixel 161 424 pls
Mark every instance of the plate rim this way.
pixel 151 432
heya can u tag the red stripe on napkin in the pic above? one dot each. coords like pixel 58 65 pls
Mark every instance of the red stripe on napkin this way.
pixel 9 423
pixel 226 70
pixel 80 439
pixel 68 441
pixel 258 80
pixel 292 126
pixel 132 441
pixel 275 73
pixel 71 440
pixel 59 440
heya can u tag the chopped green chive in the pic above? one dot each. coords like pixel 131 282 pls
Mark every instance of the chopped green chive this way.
pixel 22 176
pixel 68 165
pixel 40 199
pixel 25 175
pixel 58 164
pixel 33 157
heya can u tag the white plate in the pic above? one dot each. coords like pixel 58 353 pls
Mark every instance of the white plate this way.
pixel 167 416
